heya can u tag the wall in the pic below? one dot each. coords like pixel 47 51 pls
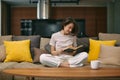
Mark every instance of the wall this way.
pixel 0 17
pixel 110 17
pixel 18 13
pixel 117 17
pixel 5 29
pixel 113 18
pixel 95 17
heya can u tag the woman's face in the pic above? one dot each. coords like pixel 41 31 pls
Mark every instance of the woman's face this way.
pixel 68 28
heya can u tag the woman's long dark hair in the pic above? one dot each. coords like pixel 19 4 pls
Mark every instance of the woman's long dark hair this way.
pixel 68 21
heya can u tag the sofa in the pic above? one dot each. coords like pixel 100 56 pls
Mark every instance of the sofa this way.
pixel 38 45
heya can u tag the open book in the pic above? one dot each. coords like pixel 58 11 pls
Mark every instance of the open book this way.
pixel 71 49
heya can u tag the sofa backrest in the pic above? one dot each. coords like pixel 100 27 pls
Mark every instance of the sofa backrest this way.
pixel 44 42
pixel 110 36
pixel 3 38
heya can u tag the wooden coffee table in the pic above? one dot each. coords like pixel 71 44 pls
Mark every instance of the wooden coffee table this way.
pixel 86 72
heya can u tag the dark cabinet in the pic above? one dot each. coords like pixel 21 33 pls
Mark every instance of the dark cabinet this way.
pixel 26 27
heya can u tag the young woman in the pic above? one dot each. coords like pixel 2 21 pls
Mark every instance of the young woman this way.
pixel 59 42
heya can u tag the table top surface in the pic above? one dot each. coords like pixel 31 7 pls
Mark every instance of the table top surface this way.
pixel 64 72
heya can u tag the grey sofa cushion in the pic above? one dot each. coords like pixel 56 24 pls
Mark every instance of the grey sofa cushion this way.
pixel 34 41
pixel 2 53
pixel 47 48
pixel 110 36
pixel 27 65
pixel 37 53
pixel 7 38
pixel 7 65
pixel 43 42
pixel 110 55
pixel 85 42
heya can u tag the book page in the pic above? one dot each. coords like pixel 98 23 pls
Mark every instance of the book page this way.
pixel 71 49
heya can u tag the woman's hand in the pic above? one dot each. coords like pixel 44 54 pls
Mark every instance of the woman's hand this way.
pixel 58 52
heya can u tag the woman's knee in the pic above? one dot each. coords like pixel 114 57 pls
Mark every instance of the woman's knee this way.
pixel 85 53
pixel 42 58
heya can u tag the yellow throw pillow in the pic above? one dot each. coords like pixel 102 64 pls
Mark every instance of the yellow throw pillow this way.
pixel 18 51
pixel 94 49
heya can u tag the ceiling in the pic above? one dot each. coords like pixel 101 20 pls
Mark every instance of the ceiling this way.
pixel 34 2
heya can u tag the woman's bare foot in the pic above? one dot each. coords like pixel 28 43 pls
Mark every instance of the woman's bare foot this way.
pixel 64 64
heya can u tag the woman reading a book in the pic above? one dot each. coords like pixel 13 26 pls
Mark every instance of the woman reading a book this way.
pixel 60 41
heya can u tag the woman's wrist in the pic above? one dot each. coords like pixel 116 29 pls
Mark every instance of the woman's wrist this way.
pixel 58 52
pixel 55 53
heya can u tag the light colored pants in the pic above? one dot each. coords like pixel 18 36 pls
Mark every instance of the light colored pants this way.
pixel 55 61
